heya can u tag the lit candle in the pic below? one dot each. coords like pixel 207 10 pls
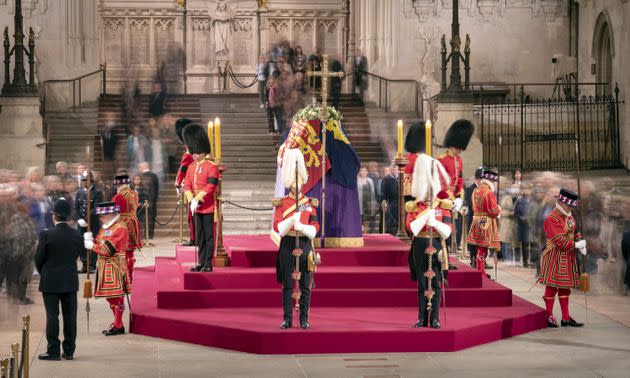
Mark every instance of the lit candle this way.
pixel 400 138
pixel 211 137
pixel 217 138
pixel 427 126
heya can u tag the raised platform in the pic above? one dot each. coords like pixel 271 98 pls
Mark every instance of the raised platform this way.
pixel 364 302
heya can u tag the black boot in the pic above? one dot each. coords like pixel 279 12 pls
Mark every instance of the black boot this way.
pixel 551 322
pixel 196 268
pixel 435 324
pixel 285 325
pixel 420 323
pixel 207 268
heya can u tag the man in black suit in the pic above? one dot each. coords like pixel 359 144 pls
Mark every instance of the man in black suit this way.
pixel 56 262
pixel 360 76
pixel 389 193
pixel 80 215
pixel 151 184
pixel 157 100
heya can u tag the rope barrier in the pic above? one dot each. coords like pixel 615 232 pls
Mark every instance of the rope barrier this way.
pixel 247 208
pixel 146 208
pixel 237 82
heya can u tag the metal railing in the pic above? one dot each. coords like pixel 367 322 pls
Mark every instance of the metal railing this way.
pixel 384 89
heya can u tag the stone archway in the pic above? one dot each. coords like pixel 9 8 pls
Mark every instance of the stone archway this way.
pixel 603 52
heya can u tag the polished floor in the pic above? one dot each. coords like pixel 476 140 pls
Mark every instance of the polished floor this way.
pixel 601 349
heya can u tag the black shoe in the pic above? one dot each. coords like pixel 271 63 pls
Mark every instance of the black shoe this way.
pixel 189 243
pixel 114 331
pixel 207 268
pixel 196 269
pixel 419 324
pixel 571 323
pixel 305 325
pixel 26 301
pixel 49 357
pixel 435 324
pixel 285 325
pixel 551 322
pixel 68 357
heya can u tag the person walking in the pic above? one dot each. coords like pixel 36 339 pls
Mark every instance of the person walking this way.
pixel 55 260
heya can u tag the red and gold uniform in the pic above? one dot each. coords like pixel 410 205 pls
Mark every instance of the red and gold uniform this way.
pixel 186 161
pixel 200 184
pixel 454 166
pixel 113 280
pixel 559 269
pixel 127 200
pixel 484 230
pixel 284 210
pixel 408 171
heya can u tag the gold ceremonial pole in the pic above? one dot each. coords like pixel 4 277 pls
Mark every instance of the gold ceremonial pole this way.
pixel 87 285
pixel 26 321
pixel 221 258
pixel 401 162
pixel 13 360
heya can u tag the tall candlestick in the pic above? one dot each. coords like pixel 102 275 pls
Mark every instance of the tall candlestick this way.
pixel 427 126
pixel 217 138
pixel 211 137
pixel 400 138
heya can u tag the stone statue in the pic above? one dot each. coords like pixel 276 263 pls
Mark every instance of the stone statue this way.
pixel 222 24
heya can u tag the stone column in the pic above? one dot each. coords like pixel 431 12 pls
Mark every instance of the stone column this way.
pixel 21 133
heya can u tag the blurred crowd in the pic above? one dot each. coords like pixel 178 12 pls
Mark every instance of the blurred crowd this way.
pixel 603 218
pixel 26 200
pixel 284 87
pixel 378 197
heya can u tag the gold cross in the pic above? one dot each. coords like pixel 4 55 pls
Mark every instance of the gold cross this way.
pixel 325 75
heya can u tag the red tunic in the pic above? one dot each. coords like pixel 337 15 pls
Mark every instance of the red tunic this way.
pixel 559 261
pixel 127 200
pixel 187 160
pixel 112 278
pixel 484 231
pixel 454 167
pixel 285 208
pixel 408 171
pixel 200 183
pixel 417 208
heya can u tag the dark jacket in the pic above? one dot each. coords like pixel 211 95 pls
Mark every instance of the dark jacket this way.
pixel 151 184
pixel 80 207
pixel 56 259
pixel 156 103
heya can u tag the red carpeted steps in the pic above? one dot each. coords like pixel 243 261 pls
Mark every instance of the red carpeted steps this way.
pixel 364 301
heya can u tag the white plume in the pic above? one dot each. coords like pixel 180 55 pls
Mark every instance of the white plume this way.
pixel 422 178
pixel 290 159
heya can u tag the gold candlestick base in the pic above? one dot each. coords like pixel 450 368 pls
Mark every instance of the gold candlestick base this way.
pixel 401 162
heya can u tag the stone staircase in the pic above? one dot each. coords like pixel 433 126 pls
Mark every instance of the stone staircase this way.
pixel 69 134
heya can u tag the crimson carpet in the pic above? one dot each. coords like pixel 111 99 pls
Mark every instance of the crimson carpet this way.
pixel 364 301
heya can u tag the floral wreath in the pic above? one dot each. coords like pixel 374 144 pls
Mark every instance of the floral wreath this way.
pixel 312 112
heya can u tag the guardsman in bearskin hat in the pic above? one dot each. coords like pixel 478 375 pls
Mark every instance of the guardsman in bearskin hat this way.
pixel 202 178
pixel 455 141
pixel 484 230
pixel 559 269
pixel 113 280
pixel 186 161
pixel 427 221
pixel 127 200
pixel 80 214
pixel 295 218
pixel 415 144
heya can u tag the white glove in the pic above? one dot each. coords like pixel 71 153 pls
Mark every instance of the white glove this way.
pixel 457 204
pixel 418 224
pixel 580 244
pixel 298 226
pixel 583 251
pixel 431 221
pixel 442 228
pixel 308 230
pixel 285 226
pixel 178 192
pixel 194 204
pixel 82 223
pixel 296 217
pixel 88 236
pixel 88 244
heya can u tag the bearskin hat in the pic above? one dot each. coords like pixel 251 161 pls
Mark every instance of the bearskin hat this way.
pixel 415 141
pixel 459 134
pixel 180 124
pixel 196 139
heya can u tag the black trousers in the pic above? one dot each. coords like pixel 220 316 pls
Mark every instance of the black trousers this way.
pixel 69 312
pixel 286 264
pixel 152 216
pixel 420 261
pixel 204 238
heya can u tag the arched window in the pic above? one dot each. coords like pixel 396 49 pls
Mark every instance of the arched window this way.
pixel 603 52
